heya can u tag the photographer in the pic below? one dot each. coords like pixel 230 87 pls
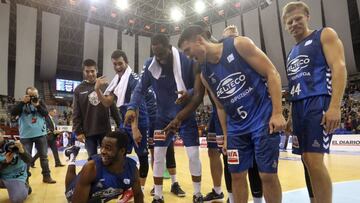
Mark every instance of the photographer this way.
pixel 13 175
pixel 32 127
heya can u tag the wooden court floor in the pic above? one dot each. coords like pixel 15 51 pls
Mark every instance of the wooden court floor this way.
pixel 342 167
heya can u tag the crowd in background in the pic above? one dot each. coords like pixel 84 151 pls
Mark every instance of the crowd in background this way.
pixel 350 121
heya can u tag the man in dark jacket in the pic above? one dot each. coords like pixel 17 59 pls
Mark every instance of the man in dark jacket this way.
pixel 91 119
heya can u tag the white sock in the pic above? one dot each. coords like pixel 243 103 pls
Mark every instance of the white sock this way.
pixel 197 186
pixel 217 190
pixel 158 191
pixel 142 189
pixel 173 179
pixel 231 197
pixel 257 199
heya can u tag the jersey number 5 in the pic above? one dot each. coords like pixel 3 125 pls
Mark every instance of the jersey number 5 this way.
pixel 243 114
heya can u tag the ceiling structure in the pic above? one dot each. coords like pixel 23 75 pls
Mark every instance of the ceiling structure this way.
pixel 143 17
pixel 146 16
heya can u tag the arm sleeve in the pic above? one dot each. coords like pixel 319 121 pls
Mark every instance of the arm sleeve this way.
pixel 42 109
pixel 140 90
pixel 77 121
pixel 16 111
pixel 25 157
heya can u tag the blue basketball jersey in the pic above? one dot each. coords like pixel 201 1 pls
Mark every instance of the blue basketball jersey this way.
pixel 107 185
pixel 307 70
pixel 240 89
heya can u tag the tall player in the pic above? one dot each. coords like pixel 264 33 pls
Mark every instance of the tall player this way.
pixel 236 72
pixel 170 74
pixel 317 78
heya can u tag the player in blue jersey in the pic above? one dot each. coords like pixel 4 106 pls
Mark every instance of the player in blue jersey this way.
pixel 317 78
pixel 120 90
pixel 246 88
pixel 170 74
pixel 105 176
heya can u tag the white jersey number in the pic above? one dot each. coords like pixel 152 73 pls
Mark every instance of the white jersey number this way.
pixel 295 90
pixel 243 114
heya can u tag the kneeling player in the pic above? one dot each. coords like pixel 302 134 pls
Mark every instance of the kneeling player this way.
pixel 105 176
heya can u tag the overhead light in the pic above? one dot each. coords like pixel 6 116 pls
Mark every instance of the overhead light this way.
pixel 219 2
pixel 199 6
pixel 176 14
pixel 162 29
pixel 122 4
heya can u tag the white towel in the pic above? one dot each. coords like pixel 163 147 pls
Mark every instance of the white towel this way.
pixel 119 89
pixel 155 70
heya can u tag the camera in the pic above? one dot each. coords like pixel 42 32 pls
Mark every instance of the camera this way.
pixel 11 147
pixel 34 99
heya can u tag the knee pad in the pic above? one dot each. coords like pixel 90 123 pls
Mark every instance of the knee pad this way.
pixel 144 166
pixel 194 160
pixel 159 161
pixel 170 157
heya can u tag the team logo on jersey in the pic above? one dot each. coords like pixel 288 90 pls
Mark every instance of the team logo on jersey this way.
pixel 308 42
pixel 233 156
pixel 93 98
pixel 230 58
pixel 230 85
pixel 297 64
pixel 126 181
pixel 316 144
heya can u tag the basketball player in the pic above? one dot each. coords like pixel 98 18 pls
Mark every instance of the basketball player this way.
pixel 120 89
pixel 317 78
pixel 254 177
pixel 170 74
pixel 235 73
pixel 105 176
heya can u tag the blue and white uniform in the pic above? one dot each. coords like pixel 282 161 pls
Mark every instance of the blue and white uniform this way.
pixel 165 88
pixel 107 185
pixel 310 92
pixel 143 121
pixel 244 96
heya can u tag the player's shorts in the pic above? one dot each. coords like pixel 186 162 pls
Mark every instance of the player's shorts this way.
pixel 188 133
pixel 241 150
pixel 142 148
pixel 213 130
pixel 308 133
